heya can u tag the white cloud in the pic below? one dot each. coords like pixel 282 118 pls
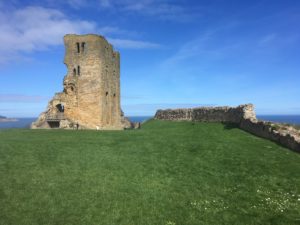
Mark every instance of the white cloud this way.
pixel 159 9
pixel 37 28
pixel 171 10
pixel 132 44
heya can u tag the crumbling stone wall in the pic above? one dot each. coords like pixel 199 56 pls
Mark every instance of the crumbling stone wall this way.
pixel 208 114
pixel 285 135
pixel 244 116
pixel 91 94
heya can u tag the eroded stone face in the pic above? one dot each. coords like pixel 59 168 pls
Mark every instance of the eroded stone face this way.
pixel 91 88
pixel 209 114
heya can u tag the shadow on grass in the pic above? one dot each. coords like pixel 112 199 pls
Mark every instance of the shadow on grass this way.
pixel 229 126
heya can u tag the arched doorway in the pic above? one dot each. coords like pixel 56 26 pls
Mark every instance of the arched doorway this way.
pixel 60 108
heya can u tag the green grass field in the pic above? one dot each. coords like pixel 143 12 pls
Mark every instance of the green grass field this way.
pixel 167 173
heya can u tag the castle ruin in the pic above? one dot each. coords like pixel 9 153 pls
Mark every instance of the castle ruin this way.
pixel 242 116
pixel 91 94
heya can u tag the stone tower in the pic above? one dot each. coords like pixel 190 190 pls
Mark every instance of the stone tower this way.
pixel 91 95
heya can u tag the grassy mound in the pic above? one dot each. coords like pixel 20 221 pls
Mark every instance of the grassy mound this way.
pixel 168 173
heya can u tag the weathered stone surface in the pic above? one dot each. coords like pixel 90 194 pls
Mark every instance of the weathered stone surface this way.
pixel 282 134
pixel 209 114
pixel 91 94
pixel 137 125
pixel 243 115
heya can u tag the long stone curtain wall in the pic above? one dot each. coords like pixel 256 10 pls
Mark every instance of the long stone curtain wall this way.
pixel 243 115
pixel 209 114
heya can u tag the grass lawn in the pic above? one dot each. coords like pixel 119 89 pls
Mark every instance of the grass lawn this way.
pixel 167 173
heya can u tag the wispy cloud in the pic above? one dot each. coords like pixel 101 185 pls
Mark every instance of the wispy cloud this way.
pixel 158 9
pixel 21 98
pixel 21 110
pixel 37 28
pixel 269 38
pixel 218 43
pixel 132 44
pixel 205 45
pixel 74 4
pixel 172 10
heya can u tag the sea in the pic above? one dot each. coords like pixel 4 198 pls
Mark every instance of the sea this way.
pixel 25 122
pixel 290 119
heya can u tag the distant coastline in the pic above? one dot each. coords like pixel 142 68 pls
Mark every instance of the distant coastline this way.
pixel 25 122
pixel 5 119
pixel 289 119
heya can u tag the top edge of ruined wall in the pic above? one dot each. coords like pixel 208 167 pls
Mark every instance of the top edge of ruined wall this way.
pixel 67 36
pixel 209 114
pixel 249 106
pixel 95 37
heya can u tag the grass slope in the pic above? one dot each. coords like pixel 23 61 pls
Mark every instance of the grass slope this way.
pixel 168 173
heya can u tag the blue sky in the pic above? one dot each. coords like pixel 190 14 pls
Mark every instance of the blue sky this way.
pixel 176 53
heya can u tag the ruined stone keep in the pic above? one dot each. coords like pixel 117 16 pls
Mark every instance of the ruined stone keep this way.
pixel 91 94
